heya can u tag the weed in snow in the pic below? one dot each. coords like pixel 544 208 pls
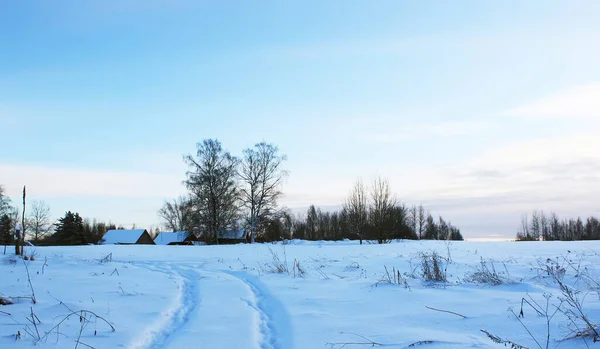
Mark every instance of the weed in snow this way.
pixel 393 278
pixel 434 267
pixel 485 273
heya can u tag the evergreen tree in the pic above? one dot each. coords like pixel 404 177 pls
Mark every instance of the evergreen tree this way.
pixel 312 223
pixel 6 220
pixel 455 234
pixel 431 229
pixel 70 230
pixel 6 232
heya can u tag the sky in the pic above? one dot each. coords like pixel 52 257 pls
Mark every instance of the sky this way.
pixel 481 111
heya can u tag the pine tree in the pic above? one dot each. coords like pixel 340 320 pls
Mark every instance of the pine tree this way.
pixel 431 229
pixel 6 233
pixel 312 223
pixel 70 230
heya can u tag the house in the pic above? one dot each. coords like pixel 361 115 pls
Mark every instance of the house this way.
pixel 232 236
pixel 127 237
pixel 176 238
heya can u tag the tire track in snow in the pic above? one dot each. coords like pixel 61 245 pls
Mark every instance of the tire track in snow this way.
pixel 275 327
pixel 175 318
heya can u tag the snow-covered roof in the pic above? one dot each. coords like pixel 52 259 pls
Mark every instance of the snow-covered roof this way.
pixel 122 236
pixel 233 234
pixel 166 238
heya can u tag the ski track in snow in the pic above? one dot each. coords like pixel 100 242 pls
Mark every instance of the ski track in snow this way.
pixel 189 298
pixel 274 324
pixel 275 327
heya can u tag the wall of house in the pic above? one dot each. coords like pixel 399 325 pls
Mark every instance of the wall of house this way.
pixel 145 239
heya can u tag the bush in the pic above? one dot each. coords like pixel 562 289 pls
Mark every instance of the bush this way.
pixel 433 267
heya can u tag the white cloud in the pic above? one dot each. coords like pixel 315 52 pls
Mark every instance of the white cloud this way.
pixel 46 181
pixel 575 102
pixel 429 130
pixel 560 170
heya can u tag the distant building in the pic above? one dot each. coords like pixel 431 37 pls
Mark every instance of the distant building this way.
pixel 176 238
pixel 127 237
pixel 232 236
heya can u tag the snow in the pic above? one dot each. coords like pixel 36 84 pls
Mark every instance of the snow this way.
pixel 122 236
pixel 166 238
pixel 227 297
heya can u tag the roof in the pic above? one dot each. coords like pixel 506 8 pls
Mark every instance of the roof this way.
pixel 232 234
pixel 122 236
pixel 165 238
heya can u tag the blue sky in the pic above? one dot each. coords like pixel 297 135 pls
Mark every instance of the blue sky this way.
pixel 481 111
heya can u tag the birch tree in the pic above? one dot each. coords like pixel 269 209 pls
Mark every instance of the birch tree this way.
pixel 262 174
pixel 213 187
pixel 177 214
pixel 382 206
pixel 355 208
pixel 38 222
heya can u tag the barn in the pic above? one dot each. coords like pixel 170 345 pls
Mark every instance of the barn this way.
pixel 127 237
pixel 176 238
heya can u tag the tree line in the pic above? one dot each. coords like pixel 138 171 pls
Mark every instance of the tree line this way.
pixel 226 192
pixel 374 216
pixel 42 230
pixel 229 192
pixel 540 226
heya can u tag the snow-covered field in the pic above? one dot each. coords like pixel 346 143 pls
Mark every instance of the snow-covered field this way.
pixel 230 296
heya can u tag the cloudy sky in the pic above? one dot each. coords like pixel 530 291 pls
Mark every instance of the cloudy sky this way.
pixel 481 111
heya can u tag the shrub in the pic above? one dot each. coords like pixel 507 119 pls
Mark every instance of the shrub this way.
pixel 433 267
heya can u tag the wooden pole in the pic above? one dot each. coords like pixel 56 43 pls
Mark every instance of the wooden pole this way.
pixel 18 239
pixel 23 223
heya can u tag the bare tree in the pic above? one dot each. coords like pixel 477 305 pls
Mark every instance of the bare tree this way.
pixel 381 208
pixel 213 188
pixel 38 222
pixel 421 221
pixel 356 209
pixel 4 202
pixel 524 234
pixel 262 173
pixel 544 226
pixel 177 214
pixel 535 225
pixel 412 219
pixel 288 224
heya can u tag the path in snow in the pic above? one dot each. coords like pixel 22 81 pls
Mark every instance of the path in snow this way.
pixel 236 311
pixel 274 324
pixel 173 321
